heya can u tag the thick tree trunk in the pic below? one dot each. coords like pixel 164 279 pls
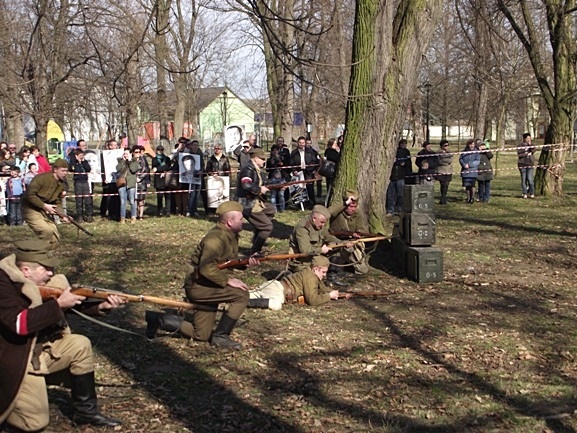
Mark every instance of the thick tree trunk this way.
pixel 161 53
pixel 387 50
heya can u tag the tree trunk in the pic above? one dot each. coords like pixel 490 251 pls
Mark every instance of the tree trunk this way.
pixel 387 49
pixel 161 53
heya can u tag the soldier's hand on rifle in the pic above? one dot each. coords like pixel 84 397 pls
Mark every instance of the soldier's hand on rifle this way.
pixel 50 208
pixel 264 189
pixel 334 294
pixel 325 249
pixel 68 299
pixel 113 301
pixel 237 284
pixel 252 261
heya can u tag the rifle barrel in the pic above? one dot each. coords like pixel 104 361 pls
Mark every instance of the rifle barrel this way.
pixel 62 215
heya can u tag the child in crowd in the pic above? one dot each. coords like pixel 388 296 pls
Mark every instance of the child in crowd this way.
pixel 32 171
pixel 277 195
pixel 15 187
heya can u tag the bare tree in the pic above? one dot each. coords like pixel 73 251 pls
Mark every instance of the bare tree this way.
pixel 558 85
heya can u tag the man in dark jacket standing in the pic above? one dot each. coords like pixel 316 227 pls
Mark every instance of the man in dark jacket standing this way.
pixel 251 191
pixel 80 169
pixel 305 160
pixel 402 167
pixel 35 341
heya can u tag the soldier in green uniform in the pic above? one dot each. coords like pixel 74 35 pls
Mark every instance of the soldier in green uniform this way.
pixel 206 284
pixel 345 218
pixel 42 197
pixel 305 286
pixel 310 236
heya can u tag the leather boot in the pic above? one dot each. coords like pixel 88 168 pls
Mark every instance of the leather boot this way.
pixel 258 303
pixel 167 322
pixel 83 395
pixel 257 245
pixel 221 335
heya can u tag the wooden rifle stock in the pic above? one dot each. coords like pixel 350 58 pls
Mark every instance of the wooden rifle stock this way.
pixel 62 215
pixel 244 262
pixel 94 292
pixel 356 241
pixel 350 234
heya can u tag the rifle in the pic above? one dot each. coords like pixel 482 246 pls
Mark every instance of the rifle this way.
pixel 350 234
pixel 343 295
pixel 62 215
pixel 294 182
pixel 242 262
pixel 356 241
pixel 94 292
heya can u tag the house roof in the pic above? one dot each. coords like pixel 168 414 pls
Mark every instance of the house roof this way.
pixel 203 97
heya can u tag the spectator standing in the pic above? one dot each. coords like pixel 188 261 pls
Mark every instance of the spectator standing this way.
pixel 43 164
pixel 427 160
pixel 22 159
pixel 333 154
pixel 110 203
pixel 142 182
pixel 128 166
pixel 160 165
pixel 80 169
pixel 217 164
pixel 526 164
pixel 485 173
pixel 470 160
pixel 305 160
pixel 180 202
pixel 402 167
pixel 15 188
pixel 444 169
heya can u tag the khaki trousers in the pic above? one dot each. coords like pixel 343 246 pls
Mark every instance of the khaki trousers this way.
pixel 41 224
pixel 203 321
pixel 73 352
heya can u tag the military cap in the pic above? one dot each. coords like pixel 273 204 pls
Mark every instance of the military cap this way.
pixel 322 210
pixel 320 262
pixel 258 152
pixel 37 251
pixel 229 206
pixel 60 163
pixel 351 193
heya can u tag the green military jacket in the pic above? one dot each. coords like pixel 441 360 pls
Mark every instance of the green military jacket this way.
pixel 44 188
pixel 306 239
pixel 342 222
pixel 306 283
pixel 218 246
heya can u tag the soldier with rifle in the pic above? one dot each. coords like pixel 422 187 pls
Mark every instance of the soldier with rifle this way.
pixel 43 199
pixel 305 287
pixel 251 193
pixel 207 285
pixel 345 219
pixel 35 341
pixel 311 236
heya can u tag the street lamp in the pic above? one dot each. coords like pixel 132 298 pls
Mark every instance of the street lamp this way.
pixel 224 108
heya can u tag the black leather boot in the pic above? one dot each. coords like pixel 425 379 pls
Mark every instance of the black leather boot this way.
pixel 83 395
pixel 258 303
pixel 167 322
pixel 221 335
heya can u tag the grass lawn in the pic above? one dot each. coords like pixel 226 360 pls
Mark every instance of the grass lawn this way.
pixel 491 348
